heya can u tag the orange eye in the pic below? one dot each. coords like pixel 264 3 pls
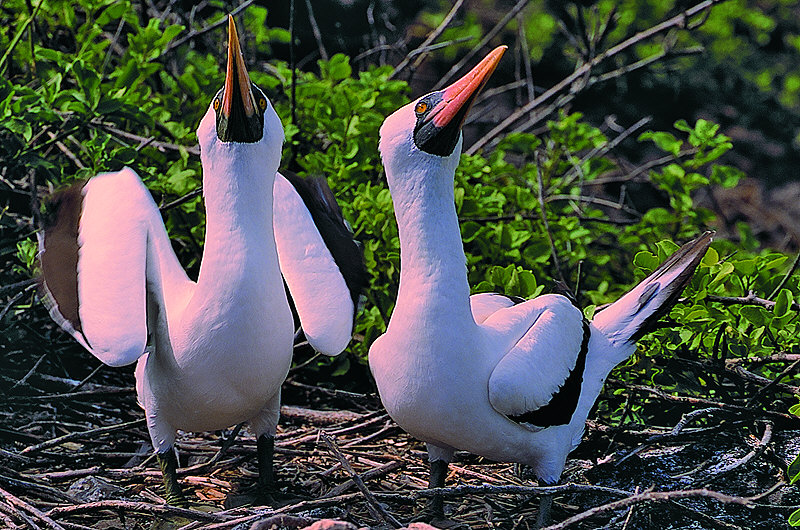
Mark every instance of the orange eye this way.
pixel 421 107
pixel 262 103
pixel 216 104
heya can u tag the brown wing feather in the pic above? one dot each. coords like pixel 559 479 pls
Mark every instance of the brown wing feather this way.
pixel 59 256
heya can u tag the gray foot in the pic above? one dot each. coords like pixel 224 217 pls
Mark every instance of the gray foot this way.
pixel 169 469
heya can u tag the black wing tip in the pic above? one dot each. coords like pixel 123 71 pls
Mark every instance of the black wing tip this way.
pixel 694 250
pixel 687 257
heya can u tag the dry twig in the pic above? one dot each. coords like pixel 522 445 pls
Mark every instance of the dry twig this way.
pixel 378 511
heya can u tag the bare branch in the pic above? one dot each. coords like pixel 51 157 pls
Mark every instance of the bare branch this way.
pixel 134 506
pixel 657 496
pixel 317 34
pixel 678 21
pixel 428 40
pixel 750 299
pixel 83 434
pixel 211 27
pixel 519 6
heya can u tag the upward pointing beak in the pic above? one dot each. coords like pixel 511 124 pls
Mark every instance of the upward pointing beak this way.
pixel 237 95
pixel 437 132
pixel 238 119
pixel 458 97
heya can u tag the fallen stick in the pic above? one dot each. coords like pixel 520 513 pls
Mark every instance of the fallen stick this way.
pixel 27 486
pixel 282 521
pixel 374 436
pixel 134 506
pixel 9 510
pixel 659 496
pixel 77 435
pixel 684 421
pixel 373 506
pixel 22 505
pixel 459 491
pixel 71 395
pixel 369 475
pixel 757 450
pixel 319 417
pixel 342 500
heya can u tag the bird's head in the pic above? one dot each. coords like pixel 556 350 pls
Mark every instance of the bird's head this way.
pixel 240 117
pixel 427 131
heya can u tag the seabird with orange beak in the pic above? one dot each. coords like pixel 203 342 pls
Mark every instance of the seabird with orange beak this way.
pixel 212 353
pixel 509 379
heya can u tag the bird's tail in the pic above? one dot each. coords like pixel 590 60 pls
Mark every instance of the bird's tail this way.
pixel 633 315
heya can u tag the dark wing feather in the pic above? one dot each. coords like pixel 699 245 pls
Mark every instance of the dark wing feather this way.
pixel 58 254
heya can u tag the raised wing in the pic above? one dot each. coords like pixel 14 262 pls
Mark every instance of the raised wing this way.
pixel 321 263
pixel 539 380
pixel 636 312
pixel 98 238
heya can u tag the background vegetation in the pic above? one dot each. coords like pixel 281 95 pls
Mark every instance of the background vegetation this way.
pixel 609 135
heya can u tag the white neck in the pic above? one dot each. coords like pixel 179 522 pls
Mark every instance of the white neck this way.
pixel 433 272
pixel 240 242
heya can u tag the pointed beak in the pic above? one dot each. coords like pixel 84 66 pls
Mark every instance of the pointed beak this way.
pixel 238 119
pixel 458 97
pixel 439 130
pixel 237 81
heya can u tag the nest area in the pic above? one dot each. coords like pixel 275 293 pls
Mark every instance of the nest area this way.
pixel 75 453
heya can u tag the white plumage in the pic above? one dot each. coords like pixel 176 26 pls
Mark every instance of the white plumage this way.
pixel 512 382
pixel 211 353
pixel 320 293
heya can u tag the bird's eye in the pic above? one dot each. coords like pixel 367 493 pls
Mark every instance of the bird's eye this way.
pixel 421 107
pixel 216 104
pixel 262 103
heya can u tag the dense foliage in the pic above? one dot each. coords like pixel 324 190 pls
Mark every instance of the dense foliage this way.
pixel 94 85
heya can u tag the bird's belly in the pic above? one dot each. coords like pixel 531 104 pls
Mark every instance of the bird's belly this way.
pixel 447 404
pixel 225 375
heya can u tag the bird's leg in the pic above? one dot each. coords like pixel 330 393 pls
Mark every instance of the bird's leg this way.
pixel 262 493
pixel 434 507
pixel 169 469
pixel 439 458
pixel 266 478
pixel 545 505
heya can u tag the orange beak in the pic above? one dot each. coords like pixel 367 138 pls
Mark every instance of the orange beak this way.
pixel 438 129
pixel 237 81
pixel 459 96
pixel 238 118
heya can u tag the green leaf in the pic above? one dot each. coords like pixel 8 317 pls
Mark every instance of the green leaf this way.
pixel 711 257
pixel 21 127
pixel 664 140
pixel 666 248
pixel 794 518
pixel 782 303
pixel 681 125
pixel 793 471
pixel 726 176
pixel 754 315
pixel 658 216
pixel 646 260
pixel 745 266
pixel 337 68
pixel 343 366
